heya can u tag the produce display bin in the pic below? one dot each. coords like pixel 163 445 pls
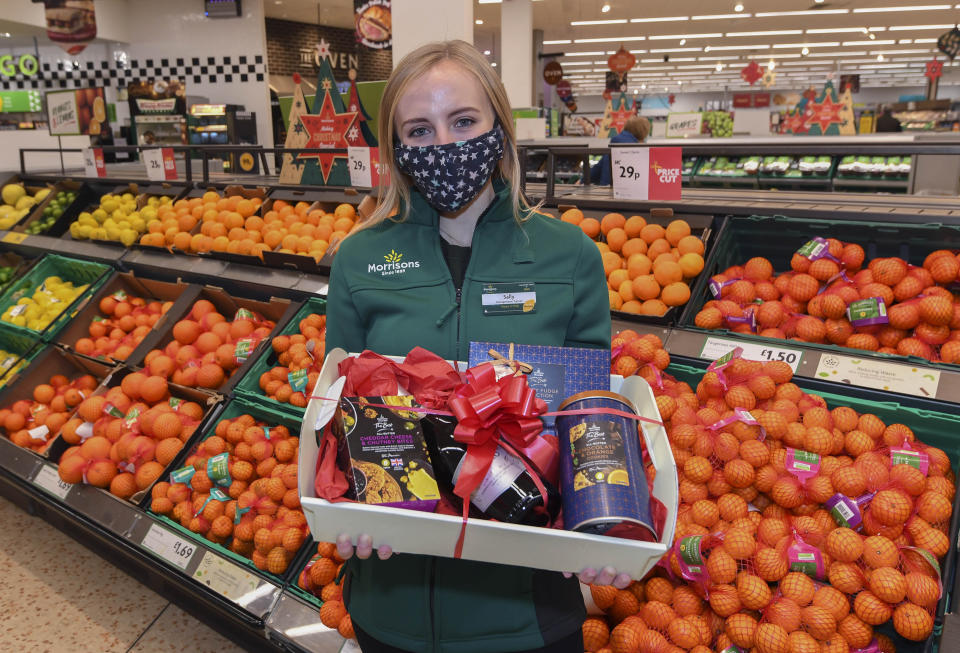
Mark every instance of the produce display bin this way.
pixel 934 427
pixel 296 261
pixel 89 193
pixel 181 294
pixel 21 349
pixel 249 385
pixel 209 401
pixel 32 187
pixel 234 408
pixel 777 238
pixel 37 215
pixel 276 309
pixel 77 271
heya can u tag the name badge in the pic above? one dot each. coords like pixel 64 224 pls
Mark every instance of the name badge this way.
pixel 509 298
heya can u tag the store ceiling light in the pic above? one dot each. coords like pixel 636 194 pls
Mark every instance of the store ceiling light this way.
pixel 719 67
pixel 843 53
pixel 611 21
pixel 788 56
pixel 656 50
pixel 875 10
pixel 899 51
pixel 837 30
pixel 478 22
pixel 487 52
pixel 494 64
pixel 740 47
pixel 721 16
pixel 853 43
pixel 908 28
pixel 805 51
pixel 615 40
pixel 583 54
pixel 738 7
pixel 643 86
pixel 605 8
pixel 917 41
pixel 716 58
pixel 776 32
pixel 879 57
pixel 806 12
pixel 819 44
pixel 771 64
pixel 489 2
pixel 663 19
pixel 558 42
pixel 684 37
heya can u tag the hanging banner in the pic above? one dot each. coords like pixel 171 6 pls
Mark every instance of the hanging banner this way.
pixel 552 73
pixel 374 25
pixel 71 24
pixel 81 111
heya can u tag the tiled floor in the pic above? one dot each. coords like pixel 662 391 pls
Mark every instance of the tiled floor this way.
pixel 57 596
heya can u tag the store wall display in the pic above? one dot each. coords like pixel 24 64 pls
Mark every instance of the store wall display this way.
pixel 292 48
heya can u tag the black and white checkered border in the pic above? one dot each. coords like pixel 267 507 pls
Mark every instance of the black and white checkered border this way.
pixel 196 70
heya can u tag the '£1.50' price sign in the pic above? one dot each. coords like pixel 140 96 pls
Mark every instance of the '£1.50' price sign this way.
pixel 646 173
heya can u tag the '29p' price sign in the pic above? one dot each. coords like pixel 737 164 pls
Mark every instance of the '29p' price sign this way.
pixel 160 164
pixel 647 173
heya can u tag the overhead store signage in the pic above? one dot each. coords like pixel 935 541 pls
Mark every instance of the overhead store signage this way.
pixel 374 23
pixel 683 125
pixel 20 101
pixel 26 64
pixel 338 60
pixel 647 173
pixel 166 105
pixel 552 73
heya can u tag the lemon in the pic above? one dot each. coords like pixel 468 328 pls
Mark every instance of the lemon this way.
pixel 153 201
pixel 138 225
pixel 109 205
pixel 119 214
pixel 99 233
pixel 113 233
pixel 166 199
pixel 41 194
pixel 128 237
pixel 25 202
pixel 12 193
pixel 128 197
pixel 75 230
pixel 88 221
pixel 148 213
pixel 83 231
pixel 6 223
pixel 99 215
pixel 5 210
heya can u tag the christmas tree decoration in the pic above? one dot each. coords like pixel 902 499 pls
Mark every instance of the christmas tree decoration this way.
pixel 821 113
pixel 291 171
pixel 769 78
pixel 614 119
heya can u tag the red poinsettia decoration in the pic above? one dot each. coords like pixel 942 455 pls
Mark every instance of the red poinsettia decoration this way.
pixel 751 73
pixel 934 70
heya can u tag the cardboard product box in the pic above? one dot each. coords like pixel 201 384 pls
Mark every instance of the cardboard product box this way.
pixel 555 372
pixel 486 541
pixel 181 294
pixel 278 310
pixel 50 362
pixel 384 454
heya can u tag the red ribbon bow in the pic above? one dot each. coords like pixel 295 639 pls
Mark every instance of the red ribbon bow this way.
pixel 486 410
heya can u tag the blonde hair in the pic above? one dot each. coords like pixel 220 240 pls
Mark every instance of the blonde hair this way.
pixel 412 66
pixel 639 127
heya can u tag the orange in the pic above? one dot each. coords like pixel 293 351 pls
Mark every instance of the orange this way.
pixel 653 307
pixel 772 638
pixel 652 232
pixel 612 221
pixel 676 294
pixel 646 287
pixel 616 238
pixel 591 227
pixel 617 277
pixel 573 216
pixel 658 247
pixel 690 244
pixel 611 262
pixel 634 246
pixel 632 306
pixel 638 265
pixel 677 230
pixel 616 301
pixel 912 622
pixel 667 272
pixel 691 264
pixel 634 225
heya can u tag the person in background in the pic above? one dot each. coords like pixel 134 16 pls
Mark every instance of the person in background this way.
pixel 635 130
pixel 887 123
pixel 445 116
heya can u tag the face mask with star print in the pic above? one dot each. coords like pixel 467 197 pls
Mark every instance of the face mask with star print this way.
pixel 450 176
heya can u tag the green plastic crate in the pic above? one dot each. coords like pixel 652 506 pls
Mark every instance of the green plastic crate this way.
pixel 69 269
pixel 249 386
pixel 777 238
pixel 234 408
pixel 932 427
pixel 22 349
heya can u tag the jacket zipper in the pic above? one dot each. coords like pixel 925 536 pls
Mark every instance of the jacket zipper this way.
pixel 435 636
pixel 459 296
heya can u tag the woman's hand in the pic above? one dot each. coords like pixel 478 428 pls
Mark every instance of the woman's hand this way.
pixel 606 576
pixel 364 547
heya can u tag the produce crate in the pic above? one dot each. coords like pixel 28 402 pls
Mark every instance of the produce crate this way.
pixel 705 228
pixel 68 269
pixel 142 196
pixel 45 363
pixel 249 385
pixel 278 310
pixel 181 294
pixel 37 215
pixel 32 188
pixel 234 408
pixel 931 425
pixel 12 259
pixel 22 349
pixel 777 238
pixel 308 553
pixel 88 193
pixel 209 401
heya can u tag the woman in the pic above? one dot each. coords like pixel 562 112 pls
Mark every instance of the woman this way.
pixel 417 278
pixel 635 130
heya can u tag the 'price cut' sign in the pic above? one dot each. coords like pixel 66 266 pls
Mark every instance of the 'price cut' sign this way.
pixel 168 546
pixel 647 173
pixel 161 166
pixel 93 165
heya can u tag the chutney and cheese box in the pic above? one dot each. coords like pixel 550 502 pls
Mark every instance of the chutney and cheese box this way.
pixel 412 531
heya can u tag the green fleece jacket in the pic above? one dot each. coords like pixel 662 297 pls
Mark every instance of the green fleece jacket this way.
pixel 390 291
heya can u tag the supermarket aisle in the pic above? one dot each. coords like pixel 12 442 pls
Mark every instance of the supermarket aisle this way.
pixel 56 595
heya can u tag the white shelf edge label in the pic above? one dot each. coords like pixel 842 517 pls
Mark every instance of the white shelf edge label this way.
pixel 359 163
pixel 880 375
pixel 714 348
pixel 48 478
pixel 172 548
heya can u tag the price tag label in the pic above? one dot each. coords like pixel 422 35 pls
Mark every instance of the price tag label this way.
pixel 93 165
pixel 359 162
pixel 323 289
pixel 48 478
pixel 714 348
pixel 872 373
pixel 170 547
pixel 14 237
pixel 631 179
pixel 160 164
